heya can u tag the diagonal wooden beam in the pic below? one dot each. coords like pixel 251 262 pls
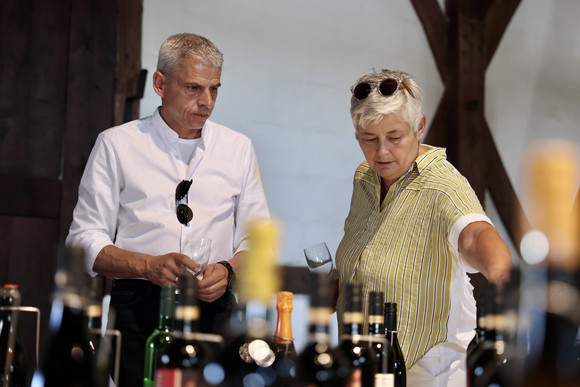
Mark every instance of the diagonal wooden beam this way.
pixel 463 40
pixel 499 15
pixel 502 193
pixel 434 23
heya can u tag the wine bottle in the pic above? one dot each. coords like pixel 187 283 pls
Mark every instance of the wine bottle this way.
pixel 551 176
pixel 479 329
pixel 353 342
pixel 484 308
pixel 98 342
pixel 486 357
pixel 319 365
pixel 383 349
pixel 191 358
pixel 68 359
pixel 13 362
pixel 250 351
pixel 392 333
pixel 285 361
pixel 162 336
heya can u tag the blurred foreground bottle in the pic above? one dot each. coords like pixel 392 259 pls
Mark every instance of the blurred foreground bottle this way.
pixel 392 334
pixel 383 349
pixel 162 336
pixel 191 358
pixel 319 365
pixel 250 352
pixel 550 290
pixel 13 363
pixel 353 342
pixel 68 359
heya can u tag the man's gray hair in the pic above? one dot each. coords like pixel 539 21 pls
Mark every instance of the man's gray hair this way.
pixel 186 45
pixel 371 109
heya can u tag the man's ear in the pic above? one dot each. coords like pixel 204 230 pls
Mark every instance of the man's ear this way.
pixel 159 83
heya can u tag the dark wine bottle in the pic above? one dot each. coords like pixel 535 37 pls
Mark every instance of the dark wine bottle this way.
pixel 392 333
pixel 319 365
pixel 249 355
pixel 383 349
pixel 285 362
pixel 353 342
pixel 13 361
pixel 479 329
pixel 100 343
pixel 191 358
pixel 483 366
pixel 68 359
pixel 162 336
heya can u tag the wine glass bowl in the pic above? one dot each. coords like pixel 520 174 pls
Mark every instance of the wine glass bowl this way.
pixel 319 259
pixel 198 249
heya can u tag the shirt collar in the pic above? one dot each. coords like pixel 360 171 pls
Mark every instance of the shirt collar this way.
pixel 170 134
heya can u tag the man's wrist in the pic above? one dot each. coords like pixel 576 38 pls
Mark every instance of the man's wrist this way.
pixel 231 274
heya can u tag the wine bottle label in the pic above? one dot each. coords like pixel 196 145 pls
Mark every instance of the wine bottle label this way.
pixel 376 319
pixel 95 310
pixel 187 313
pixel 319 315
pixel 353 317
pixel 384 380
pixel 177 377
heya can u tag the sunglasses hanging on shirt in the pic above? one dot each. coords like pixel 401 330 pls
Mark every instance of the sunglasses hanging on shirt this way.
pixel 184 213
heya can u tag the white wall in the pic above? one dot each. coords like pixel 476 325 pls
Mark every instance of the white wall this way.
pixel 289 65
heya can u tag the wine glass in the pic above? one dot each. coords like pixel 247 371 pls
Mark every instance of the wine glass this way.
pixel 198 249
pixel 319 259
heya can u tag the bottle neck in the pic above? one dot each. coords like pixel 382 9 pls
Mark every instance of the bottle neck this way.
pixel 319 321
pixel 376 325
pixel 187 319
pixel 353 323
pixel 283 333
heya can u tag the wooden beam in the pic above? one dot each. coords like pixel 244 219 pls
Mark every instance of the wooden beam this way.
pixel 30 196
pixel 435 26
pixel 499 16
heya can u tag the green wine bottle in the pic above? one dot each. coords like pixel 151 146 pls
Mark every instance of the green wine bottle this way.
pixel 162 335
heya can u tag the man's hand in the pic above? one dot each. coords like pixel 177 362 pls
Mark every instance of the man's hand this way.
pixel 160 270
pixel 214 283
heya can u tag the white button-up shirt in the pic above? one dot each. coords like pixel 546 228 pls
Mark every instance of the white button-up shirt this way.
pixel 127 191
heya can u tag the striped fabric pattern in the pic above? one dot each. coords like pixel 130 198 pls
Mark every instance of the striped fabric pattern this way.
pixel 400 246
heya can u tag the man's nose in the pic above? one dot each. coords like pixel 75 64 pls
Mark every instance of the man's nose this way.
pixel 206 98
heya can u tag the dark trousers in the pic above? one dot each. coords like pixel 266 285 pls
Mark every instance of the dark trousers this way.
pixel 135 309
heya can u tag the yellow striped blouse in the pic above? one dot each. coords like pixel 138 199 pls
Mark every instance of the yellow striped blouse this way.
pixel 402 246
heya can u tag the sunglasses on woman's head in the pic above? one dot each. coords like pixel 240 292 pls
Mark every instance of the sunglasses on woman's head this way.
pixel 386 87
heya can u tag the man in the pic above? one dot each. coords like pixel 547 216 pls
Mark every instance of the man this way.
pixel 153 184
pixel 415 228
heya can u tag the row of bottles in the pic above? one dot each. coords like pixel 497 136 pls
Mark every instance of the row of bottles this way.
pixel 253 357
pixel 513 347
pixel 77 353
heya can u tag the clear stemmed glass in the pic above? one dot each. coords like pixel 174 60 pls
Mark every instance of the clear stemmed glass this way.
pixel 198 249
pixel 319 259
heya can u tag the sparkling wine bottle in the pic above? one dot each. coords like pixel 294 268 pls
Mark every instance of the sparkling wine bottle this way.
pixel 13 362
pixel 250 351
pixel 285 362
pixel 353 342
pixel 162 336
pixel 383 349
pixel 68 359
pixel 191 358
pixel 392 333
pixel 320 365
